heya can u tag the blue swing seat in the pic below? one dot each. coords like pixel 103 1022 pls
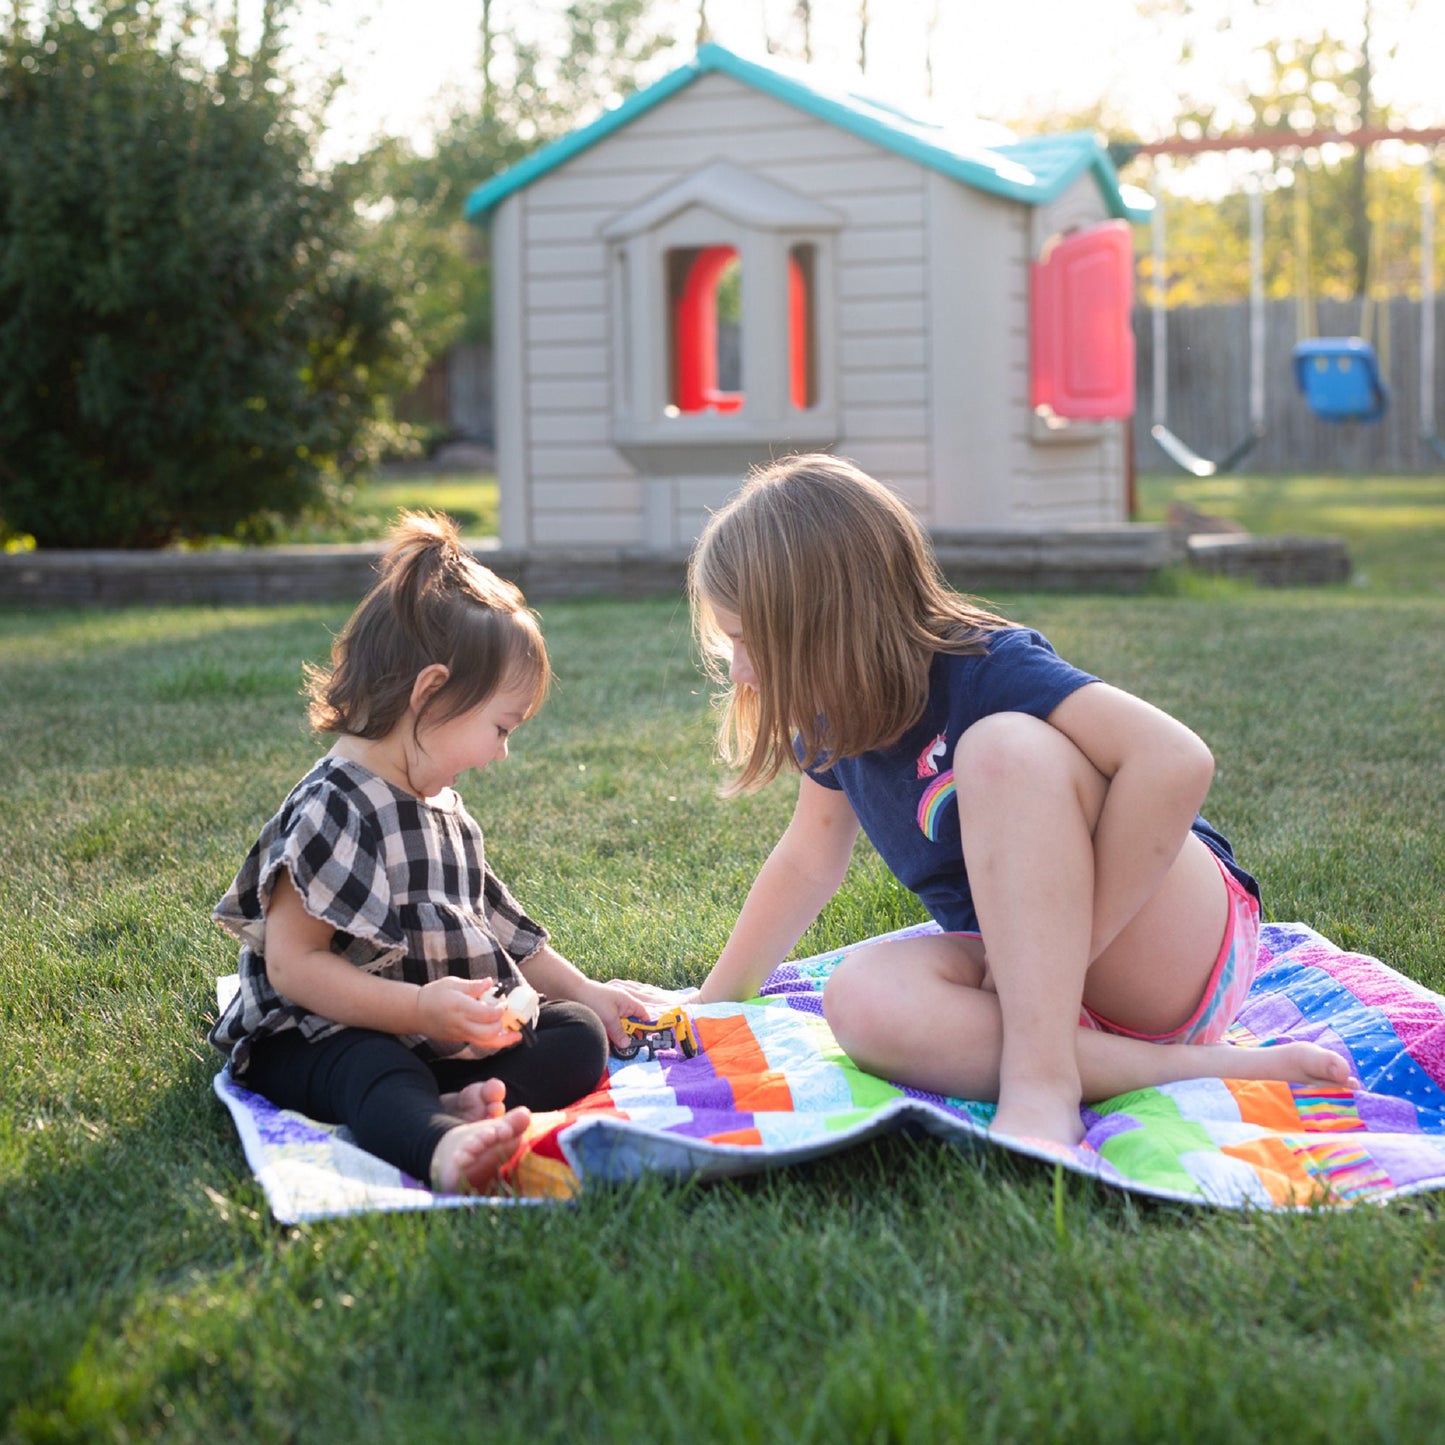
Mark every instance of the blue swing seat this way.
pixel 1339 376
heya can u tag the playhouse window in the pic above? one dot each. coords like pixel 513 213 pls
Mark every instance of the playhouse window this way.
pixel 802 330
pixel 704 291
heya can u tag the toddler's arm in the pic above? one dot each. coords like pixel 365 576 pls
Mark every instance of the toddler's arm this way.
pixel 302 967
pixel 804 870
pixel 549 973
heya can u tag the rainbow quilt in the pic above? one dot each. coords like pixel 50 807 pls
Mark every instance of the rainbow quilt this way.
pixel 769 1087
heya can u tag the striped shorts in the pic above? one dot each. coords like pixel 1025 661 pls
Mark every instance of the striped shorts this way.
pixel 1229 981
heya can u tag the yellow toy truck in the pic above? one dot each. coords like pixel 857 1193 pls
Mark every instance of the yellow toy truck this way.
pixel 671 1029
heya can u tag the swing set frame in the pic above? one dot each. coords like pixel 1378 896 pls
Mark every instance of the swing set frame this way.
pixel 1179 451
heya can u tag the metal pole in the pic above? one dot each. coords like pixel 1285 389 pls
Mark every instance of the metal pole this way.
pixel 1428 433
pixel 1256 306
pixel 1159 321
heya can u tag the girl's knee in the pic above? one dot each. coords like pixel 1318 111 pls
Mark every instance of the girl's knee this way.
pixel 1009 751
pixel 849 1004
pixel 1003 743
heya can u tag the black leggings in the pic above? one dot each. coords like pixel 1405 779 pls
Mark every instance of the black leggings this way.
pixel 390 1098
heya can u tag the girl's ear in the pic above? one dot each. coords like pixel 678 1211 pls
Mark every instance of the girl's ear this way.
pixel 431 677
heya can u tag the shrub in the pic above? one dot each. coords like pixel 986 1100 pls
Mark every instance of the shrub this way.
pixel 186 339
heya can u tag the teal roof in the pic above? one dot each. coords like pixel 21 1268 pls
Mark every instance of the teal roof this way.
pixel 1033 171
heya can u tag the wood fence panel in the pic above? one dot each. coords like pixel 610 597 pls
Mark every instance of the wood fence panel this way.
pixel 1207 403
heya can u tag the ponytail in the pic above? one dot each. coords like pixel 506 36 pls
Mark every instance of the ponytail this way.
pixel 435 603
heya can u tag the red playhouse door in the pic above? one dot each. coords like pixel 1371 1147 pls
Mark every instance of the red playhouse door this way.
pixel 1081 334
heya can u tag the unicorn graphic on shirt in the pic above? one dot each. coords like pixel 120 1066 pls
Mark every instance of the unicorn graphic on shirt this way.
pixel 928 758
pixel 940 792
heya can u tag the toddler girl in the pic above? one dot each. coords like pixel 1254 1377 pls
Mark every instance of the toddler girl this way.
pixel 372 929
pixel 1098 934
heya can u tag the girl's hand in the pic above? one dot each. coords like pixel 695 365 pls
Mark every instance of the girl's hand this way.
pixel 618 1000
pixel 458 1010
pixel 654 998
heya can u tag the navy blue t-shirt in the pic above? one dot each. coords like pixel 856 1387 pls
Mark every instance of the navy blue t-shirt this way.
pixel 904 794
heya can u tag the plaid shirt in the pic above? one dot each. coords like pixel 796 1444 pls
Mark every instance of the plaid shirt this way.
pixel 404 883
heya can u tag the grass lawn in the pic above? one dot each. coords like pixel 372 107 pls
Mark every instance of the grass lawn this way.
pixel 470 498
pixel 903 1291
pixel 1395 526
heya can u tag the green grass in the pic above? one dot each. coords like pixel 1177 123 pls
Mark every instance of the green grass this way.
pixel 1395 526
pixel 900 1292
pixel 371 505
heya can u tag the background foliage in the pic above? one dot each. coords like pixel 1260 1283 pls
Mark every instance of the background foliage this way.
pixel 528 93
pixel 187 338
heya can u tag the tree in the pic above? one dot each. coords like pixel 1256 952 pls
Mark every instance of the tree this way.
pixel 1314 207
pixel 1313 79
pixel 534 89
pixel 592 58
pixel 187 341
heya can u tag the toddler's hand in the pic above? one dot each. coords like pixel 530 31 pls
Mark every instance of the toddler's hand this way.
pixel 458 1009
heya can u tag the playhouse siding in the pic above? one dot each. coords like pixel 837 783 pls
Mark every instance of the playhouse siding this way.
pixel 1014 472
pixel 580 489
pixel 929 301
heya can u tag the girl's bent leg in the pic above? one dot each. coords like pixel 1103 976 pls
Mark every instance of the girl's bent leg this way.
pixel 370 1082
pixel 912 1012
pixel 1027 801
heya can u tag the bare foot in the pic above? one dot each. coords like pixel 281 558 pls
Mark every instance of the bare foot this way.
pixel 1293 1063
pixel 1040 1116
pixel 469 1158
pixel 482 1100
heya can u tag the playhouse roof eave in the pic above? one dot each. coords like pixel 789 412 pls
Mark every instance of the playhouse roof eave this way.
pixel 1032 171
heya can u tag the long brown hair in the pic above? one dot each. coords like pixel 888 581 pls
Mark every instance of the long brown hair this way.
pixel 435 603
pixel 842 607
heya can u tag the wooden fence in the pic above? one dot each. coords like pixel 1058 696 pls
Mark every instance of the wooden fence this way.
pixel 1208 393
pixel 455 395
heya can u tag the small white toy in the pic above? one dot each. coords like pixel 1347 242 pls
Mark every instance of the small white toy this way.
pixel 521 1005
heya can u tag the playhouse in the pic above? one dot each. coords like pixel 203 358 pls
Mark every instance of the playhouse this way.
pixel 736 263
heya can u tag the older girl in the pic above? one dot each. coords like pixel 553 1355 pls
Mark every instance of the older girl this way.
pixel 1098 935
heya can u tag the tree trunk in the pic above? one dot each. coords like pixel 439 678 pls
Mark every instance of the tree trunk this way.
pixel 487 39
pixel 1360 220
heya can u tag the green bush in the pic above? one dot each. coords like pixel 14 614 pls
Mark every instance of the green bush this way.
pixel 187 342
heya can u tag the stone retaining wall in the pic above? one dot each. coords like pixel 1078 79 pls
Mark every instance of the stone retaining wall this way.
pixel 1114 559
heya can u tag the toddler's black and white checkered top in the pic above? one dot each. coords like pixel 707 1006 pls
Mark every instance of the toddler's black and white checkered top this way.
pixel 404 883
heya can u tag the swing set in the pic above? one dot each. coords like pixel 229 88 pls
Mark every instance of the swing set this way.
pixel 1340 377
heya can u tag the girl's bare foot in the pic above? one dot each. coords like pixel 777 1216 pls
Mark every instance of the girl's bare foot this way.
pixel 482 1100
pixel 469 1158
pixel 1043 1115
pixel 1042 1118
pixel 1292 1063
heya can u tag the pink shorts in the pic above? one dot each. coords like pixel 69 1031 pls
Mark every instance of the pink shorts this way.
pixel 1229 981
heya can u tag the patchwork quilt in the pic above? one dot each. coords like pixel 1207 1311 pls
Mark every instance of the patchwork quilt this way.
pixel 769 1087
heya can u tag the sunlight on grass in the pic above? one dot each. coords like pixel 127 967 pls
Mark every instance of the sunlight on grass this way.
pixel 1394 526
pixel 469 499
pixel 369 508
pixel 146 1292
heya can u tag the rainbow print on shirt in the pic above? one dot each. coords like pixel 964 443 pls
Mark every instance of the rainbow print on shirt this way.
pixel 936 797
